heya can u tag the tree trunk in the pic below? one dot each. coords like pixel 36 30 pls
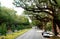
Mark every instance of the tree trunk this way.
pixel 54 28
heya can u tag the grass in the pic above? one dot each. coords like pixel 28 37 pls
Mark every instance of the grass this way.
pixel 55 37
pixel 14 35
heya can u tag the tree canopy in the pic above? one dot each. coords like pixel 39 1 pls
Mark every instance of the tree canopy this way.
pixel 51 7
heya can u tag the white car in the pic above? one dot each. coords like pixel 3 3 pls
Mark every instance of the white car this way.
pixel 47 34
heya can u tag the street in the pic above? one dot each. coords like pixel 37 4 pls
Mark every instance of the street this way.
pixel 32 34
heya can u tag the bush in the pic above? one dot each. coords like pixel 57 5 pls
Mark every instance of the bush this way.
pixel 13 28
pixel 3 29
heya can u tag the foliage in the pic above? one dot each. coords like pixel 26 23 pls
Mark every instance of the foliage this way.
pixel 13 28
pixel 3 29
pixel 49 26
pixel 58 1
pixel 10 21
pixel 36 22
pixel 41 16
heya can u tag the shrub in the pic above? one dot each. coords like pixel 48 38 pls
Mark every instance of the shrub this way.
pixel 3 29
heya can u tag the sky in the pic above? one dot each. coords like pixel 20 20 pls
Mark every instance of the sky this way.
pixel 8 3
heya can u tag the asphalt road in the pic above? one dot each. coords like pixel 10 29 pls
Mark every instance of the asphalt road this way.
pixel 32 34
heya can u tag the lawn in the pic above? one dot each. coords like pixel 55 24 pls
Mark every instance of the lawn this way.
pixel 55 37
pixel 14 35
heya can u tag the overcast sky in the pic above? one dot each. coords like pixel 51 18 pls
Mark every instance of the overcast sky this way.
pixel 8 3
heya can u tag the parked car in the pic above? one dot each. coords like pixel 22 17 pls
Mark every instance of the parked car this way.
pixel 47 34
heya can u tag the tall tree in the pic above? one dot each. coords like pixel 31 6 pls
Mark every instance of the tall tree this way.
pixel 49 6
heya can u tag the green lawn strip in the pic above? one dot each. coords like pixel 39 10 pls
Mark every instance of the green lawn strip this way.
pixel 55 37
pixel 15 34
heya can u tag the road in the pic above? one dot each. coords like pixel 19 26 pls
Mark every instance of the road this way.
pixel 32 34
